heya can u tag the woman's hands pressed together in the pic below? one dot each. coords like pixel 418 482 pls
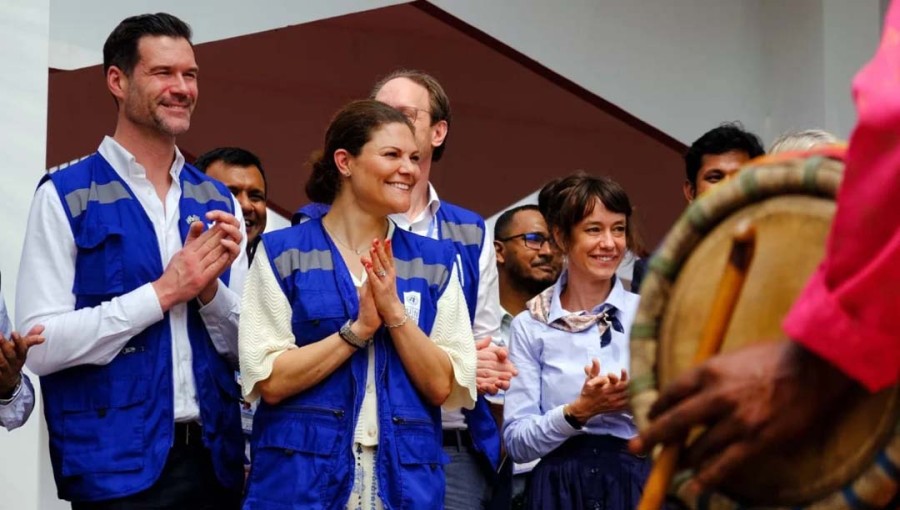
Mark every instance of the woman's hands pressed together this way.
pixel 382 283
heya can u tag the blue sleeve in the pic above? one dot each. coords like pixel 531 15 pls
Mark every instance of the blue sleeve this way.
pixel 529 431
pixel 15 411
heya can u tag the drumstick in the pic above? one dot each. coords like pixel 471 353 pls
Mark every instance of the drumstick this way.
pixel 724 302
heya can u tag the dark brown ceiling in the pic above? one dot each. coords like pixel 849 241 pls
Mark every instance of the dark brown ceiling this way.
pixel 515 123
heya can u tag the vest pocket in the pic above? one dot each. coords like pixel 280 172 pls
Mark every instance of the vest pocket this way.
pixel 103 427
pixel 99 262
pixel 414 447
pixel 295 442
pixel 421 462
pixel 316 315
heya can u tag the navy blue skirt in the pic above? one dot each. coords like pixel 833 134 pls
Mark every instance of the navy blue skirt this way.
pixel 588 473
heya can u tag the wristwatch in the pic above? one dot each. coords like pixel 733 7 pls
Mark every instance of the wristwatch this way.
pixel 350 337
pixel 4 400
pixel 571 419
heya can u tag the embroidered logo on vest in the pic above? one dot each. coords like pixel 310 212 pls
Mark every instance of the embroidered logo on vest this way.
pixel 412 301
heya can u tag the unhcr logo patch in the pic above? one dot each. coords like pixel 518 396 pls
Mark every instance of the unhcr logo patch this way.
pixel 412 301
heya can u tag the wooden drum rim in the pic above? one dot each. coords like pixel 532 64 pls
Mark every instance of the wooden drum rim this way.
pixel 816 176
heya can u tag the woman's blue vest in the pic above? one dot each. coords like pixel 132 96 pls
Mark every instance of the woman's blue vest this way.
pixel 466 231
pixel 111 426
pixel 302 447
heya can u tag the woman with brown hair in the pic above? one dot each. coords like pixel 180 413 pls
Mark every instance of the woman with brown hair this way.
pixel 569 403
pixel 354 334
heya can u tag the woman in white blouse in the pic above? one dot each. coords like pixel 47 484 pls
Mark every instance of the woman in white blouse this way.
pixel 568 405
pixel 354 333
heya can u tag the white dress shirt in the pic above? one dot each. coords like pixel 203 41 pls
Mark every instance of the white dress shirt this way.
pixel 487 306
pixel 96 335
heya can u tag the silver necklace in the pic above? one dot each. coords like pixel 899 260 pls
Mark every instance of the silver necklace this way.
pixel 342 243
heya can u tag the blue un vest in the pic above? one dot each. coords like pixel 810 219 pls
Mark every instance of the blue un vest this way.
pixel 467 232
pixel 302 447
pixel 111 426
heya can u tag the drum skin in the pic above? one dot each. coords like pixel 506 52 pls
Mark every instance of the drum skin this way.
pixel 849 462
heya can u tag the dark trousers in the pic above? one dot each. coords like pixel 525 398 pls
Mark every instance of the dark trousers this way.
pixel 187 482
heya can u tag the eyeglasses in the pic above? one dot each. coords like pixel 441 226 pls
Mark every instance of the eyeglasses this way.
pixel 411 112
pixel 533 240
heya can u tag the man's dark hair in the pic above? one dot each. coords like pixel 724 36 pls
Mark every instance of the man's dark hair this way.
pixel 501 227
pixel 121 47
pixel 232 156
pixel 439 102
pixel 729 136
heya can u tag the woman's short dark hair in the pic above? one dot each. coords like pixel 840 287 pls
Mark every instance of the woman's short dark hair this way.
pixel 567 201
pixel 350 129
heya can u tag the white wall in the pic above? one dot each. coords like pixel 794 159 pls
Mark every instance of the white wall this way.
pixel 683 66
pixel 24 26
pixel 79 28
pixel 686 66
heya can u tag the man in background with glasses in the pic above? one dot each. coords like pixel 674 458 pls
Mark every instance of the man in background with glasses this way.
pixel 527 262
pixel 471 438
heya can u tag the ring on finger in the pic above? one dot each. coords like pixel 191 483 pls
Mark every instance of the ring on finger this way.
pixel 381 273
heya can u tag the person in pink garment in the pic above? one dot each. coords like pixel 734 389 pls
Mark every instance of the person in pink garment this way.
pixel 843 330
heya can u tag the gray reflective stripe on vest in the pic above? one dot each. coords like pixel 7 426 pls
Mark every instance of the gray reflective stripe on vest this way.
pixel 203 192
pixel 108 193
pixel 465 234
pixel 303 261
pixel 435 274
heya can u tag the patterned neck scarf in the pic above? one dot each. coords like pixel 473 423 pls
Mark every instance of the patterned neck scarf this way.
pixel 605 318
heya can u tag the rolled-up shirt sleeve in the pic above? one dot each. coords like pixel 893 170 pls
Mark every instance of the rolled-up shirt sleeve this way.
pixel 265 327
pixel 529 432
pixel 15 411
pixel 848 312
pixel 453 334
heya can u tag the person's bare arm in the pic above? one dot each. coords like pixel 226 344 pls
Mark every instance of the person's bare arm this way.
pixel 751 400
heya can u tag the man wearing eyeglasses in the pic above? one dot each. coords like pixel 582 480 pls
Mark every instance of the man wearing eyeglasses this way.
pixel 527 263
pixel 471 438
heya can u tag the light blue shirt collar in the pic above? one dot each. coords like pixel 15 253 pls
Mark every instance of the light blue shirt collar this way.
pixel 616 297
